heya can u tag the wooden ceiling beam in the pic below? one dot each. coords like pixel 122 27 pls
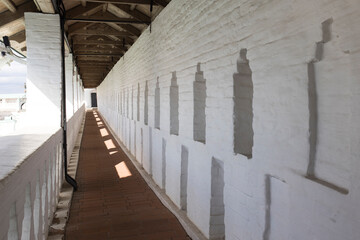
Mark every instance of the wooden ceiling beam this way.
pixel 46 6
pixel 94 63
pixel 81 10
pixel 92 75
pixel 93 68
pixel 87 72
pixel 84 47
pixel 134 13
pixel 95 42
pixel 162 3
pixel 8 16
pixel 77 26
pixel 98 54
pixel 95 51
pixel 92 84
pixel 18 37
pixel 88 75
pixel 147 2
pixel 104 19
pixel 89 32
pixel 10 5
pixel 83 72
pixel 105 39
pixel 95 60
pixel 128 27
pixel 97 65
pixel 93 80
pixel 131 29
pixel 84 65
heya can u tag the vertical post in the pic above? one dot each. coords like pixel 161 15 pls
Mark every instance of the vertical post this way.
pixel 43 83
pixel 68 178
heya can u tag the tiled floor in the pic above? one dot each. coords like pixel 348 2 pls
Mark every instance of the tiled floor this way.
pixel 113 201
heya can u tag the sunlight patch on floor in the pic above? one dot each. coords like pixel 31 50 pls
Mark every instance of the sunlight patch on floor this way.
pixel 122 170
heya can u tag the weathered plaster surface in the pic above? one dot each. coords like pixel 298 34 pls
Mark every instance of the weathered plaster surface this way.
pixel 281 40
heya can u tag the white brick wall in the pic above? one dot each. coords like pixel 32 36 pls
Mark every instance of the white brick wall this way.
pixel 280 37
pixel 43 78
pixel 69 76
pixel 30 178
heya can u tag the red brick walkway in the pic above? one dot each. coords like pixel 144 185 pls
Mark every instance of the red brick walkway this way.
pixel 113 201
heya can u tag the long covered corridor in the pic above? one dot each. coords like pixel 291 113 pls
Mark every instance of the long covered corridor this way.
pixel 113 201
pixel 232 119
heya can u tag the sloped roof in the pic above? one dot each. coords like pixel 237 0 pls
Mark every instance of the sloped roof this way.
pixel 98 31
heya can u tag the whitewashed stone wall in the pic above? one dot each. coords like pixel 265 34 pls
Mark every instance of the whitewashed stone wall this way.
pixel 302 179
pixel 43 78
pixel 31 159
pixel 69 76
pixel 30 180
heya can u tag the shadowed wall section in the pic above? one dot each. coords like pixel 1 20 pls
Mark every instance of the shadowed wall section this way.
pixel 174 105
pixel 199 106
pixel 274 86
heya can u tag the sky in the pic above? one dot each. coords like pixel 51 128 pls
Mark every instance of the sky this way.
pixel 12 78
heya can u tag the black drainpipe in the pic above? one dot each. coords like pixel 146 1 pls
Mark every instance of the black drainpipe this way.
pixel 61 10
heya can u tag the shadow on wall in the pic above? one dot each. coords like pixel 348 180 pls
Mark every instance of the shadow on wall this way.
pixel 174 105
pixel 199 106
pixel 146 104
pixel 157 105
pixel 313 109
pixel 243 139
pixel 243 111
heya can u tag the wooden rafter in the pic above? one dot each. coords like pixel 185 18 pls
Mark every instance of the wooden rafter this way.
pixel 97 59
pixel 99 46
pixel 81 47
pixel 127 27
pixel 100 75
pixel 93 67
pixel 10 5
pixel 77 26
pixel 81 10
pixel 18 37
pixel 8 16
pixel 147 2
pixel 102 31
pixel 98 31
pixel 95 42
pixel 162 3
pixel 104 59
pixel 98 54
pixel 88 63
pixel 134 13
pixel 104 19
pixel 92 71
pixel 89 32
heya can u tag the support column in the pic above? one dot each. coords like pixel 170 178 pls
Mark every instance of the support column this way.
pixel 43 39
pixel 69 86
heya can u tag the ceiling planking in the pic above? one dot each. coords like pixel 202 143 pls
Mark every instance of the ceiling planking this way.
pixel 98 31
